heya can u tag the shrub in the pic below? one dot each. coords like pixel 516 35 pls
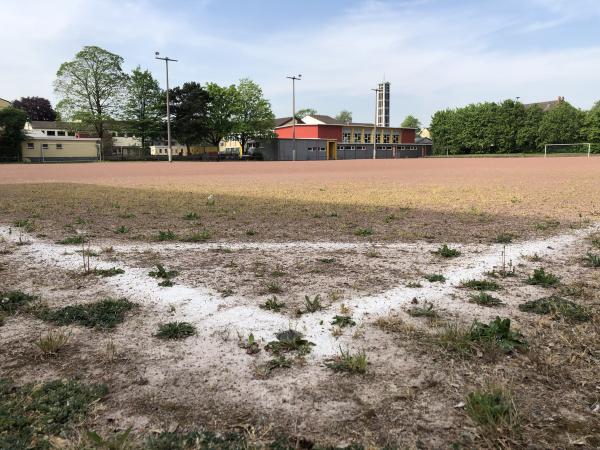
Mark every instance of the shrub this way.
pixel 541 278
pixel 363 232
pixel 435 278
pixel 289 341
pixel 175 330
pixel 347 362
pixel 497 334
pixel 485 299
pixel 447 252
pixel 166 235
pixel 72 240
pixel 104 314
pixel 343 321
pixel 480 285
pixel 13 301
pixel 491 408
pixel 557 307
pixel 272 304
pixel 32 412
pixel 504 238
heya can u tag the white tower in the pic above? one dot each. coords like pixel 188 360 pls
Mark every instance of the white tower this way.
pixel 383 105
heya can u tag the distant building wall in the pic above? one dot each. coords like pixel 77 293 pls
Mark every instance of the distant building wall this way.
pixel 59 150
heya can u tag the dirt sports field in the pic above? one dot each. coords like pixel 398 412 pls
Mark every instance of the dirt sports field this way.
pixel 431 303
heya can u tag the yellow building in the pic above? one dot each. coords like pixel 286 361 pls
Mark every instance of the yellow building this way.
pixel 4 103
pixel 425 133
pixel 38 147
pixel 230 148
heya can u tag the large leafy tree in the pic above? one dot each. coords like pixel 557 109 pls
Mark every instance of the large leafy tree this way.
pixel 221 111
pixel 91 87
pixel 253 118
pixel 344 116
pixel 144 107
pixel 411 122
pixel 592 124
pixel 12 121
pixel 302 113
pixel 36 108
pixel 189 108
pixel 563 124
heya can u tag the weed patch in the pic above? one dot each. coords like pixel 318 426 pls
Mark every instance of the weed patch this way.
pixel 198 236
pixel 50 343
pixel 348 362
pixel 191 216
pixel 104 314
pixel 311 305
pixel 363 232
pixel 343 321
pixel 31 413
pixel 427 310
pixel 558 307
pixel 175 330
pixel 447 252
pixel 480 285
pixel 122 229
pixel 109 272
pixel 435 278
pixel 273 288
pixel 162 272
pixel 272 304
pixel 13 301
pixel 166 236
pixel 485 299
pixel 504 238
pixel 492 408
pixel 289 341
pixel 72 240
pixel 542 278
pixel 592 260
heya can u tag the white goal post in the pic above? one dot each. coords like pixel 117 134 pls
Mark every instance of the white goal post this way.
pixel 589 147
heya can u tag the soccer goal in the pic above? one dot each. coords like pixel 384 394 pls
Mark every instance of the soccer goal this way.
pixel 583 147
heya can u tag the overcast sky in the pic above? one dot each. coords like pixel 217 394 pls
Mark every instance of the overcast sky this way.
pixel 436 53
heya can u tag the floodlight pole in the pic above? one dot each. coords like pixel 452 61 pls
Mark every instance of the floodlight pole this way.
pixel 166 59
pixel 377 91
pixel 294 78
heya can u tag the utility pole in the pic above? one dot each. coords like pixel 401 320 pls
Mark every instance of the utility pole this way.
pixel 294 78
pixel 377 91
pixel 166 59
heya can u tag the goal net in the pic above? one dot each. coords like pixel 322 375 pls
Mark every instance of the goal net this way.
pixel 582 148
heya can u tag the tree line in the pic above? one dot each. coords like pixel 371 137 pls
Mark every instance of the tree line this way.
pixel 512 127
pixel 94 91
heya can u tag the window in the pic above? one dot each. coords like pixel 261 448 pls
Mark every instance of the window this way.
pixel 367 138
pixel 378 137
pixel 30 146
pixel 346 137
pixel 386 138
pixel 59 147
pixel 357 137
pixel 60 133
pixel 395 139
pixel 51 133
pixel 44 146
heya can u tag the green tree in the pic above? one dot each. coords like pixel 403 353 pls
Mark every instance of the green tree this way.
pixel 562 124
pixel 144 107
pixel 527 135
pixel 344 116
pixel 36 108
pixel 302 113
pixel 12 121
pixel 91 87
pixel 253 118
pixel 189 108
pixel 592 124
pixel 411 122
pixel 221 111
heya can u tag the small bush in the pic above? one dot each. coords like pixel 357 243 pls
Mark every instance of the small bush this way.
pixel 492 408
pixel 593 260
pixel 51 342
pixel 542 278
pixel 175 330
pixel 426 310
pixel 289 341
pixel 480 285
pixel 104 314
pixel 166 235
pixel 13 301
pixel 498 334
pixel 485 299
pixel 347 362
pixel 447 252
pixel 363 232
pixel 32 412
pixel 272 304
pixel 109 272
pixel 504 238
pixel 72 240
pixel 435 278
pixel 343 321
pixel 122 229
pixel 191 216
pixel 557 307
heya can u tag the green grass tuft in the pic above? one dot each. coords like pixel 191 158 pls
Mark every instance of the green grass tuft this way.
pixel 104 314
pixel 166 236
pixel 363 232
pixel 343 321
pixel 347 362
pixel 492 408
pixel 480 285
pixel 191 216
pixel 435 278
pixel 13 301
pixel 175 330
pixel 542 278
pixel 272 304
pixel 447 252
pixel 289 341
pixel 557 307
pixel 109 272
pixel 72 240
pixel 592 260
pixel 162 272
pixel 485 299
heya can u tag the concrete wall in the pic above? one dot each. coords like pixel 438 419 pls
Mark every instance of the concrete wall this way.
pixel 72 150
pixel 306 149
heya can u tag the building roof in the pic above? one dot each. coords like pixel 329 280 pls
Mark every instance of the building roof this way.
pixel 423 141
pixel 546 106
pixel 281 120
pixel 37 134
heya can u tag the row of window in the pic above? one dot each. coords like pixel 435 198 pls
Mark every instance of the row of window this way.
pixel 357 138
pixel 362 147
pixel 31 146
pixel 316 149
pixel 59 133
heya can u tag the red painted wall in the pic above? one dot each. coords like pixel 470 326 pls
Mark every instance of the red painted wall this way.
pixel 408 136
pixel 332 132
